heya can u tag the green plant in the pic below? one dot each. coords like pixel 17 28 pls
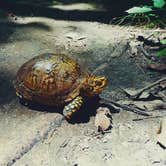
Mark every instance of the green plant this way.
pixel 162 52
pixel 144 15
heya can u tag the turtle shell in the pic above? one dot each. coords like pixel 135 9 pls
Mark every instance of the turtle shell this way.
pixel 51 79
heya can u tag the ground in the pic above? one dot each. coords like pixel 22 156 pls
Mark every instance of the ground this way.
pixel 41 137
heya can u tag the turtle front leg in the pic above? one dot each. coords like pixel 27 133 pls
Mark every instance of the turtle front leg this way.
pixel 72 107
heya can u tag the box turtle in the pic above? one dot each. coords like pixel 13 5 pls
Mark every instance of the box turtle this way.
pixel 57 80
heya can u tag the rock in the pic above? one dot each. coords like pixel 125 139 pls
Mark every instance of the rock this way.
pixel 105 140
pixel 103 119
pixel 161 138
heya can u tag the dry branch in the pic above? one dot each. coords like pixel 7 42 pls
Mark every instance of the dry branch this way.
pixel 139 93
pixel 130 108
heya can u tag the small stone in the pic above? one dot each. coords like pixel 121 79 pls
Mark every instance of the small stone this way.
pixel 81 38
pixel 105 141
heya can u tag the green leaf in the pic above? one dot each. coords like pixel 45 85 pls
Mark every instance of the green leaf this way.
pixel 163 41
pixel 158 3
pixel 161 53
pixel 139 10
pixel 151 14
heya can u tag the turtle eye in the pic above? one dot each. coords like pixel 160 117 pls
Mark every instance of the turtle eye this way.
pixel 98 83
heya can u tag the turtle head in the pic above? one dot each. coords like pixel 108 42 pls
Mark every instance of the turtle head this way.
pixel 94 85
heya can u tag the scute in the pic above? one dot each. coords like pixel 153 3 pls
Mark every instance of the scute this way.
pixel 50 79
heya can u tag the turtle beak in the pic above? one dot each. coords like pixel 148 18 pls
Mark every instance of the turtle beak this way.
pixel 104 82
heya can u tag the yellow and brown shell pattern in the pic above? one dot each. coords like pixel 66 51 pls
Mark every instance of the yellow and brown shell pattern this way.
pixel 50 79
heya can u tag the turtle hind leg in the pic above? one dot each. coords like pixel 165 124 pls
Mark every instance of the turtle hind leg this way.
pixel 72 107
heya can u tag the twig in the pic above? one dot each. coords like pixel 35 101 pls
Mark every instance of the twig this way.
pixel 151 117
pixel 141 69
pixel 146 54
pixel 138 94
pixel 126 107
pixel 162 95
pixel 101 67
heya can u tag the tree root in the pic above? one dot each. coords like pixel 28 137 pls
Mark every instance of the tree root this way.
pixel 131 108
pixel 156 93
pixel 150 117
pixel 139 93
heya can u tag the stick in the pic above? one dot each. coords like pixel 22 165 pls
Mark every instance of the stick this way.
pixel 101 67
pixel 146 54
pixel 126 107
pixel 138 94
pixel 151 117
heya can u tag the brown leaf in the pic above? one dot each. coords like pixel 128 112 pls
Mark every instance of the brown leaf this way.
pixel 157 66
pixel 103 119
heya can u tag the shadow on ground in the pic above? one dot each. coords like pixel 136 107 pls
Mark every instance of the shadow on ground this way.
pixel 40 8
pixel 87 110
pixel 8 28
pixel 6 87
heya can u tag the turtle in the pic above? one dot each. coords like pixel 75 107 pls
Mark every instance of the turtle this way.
pixel 57 80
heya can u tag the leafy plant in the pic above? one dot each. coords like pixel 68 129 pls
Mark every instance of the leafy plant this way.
pixel 139 10
pixel 163 41
pixel 161 53
pixel 144 15
pixel 158 3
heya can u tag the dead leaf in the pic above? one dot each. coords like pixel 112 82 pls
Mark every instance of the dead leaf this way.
pixel 103 119
pixel 157 66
